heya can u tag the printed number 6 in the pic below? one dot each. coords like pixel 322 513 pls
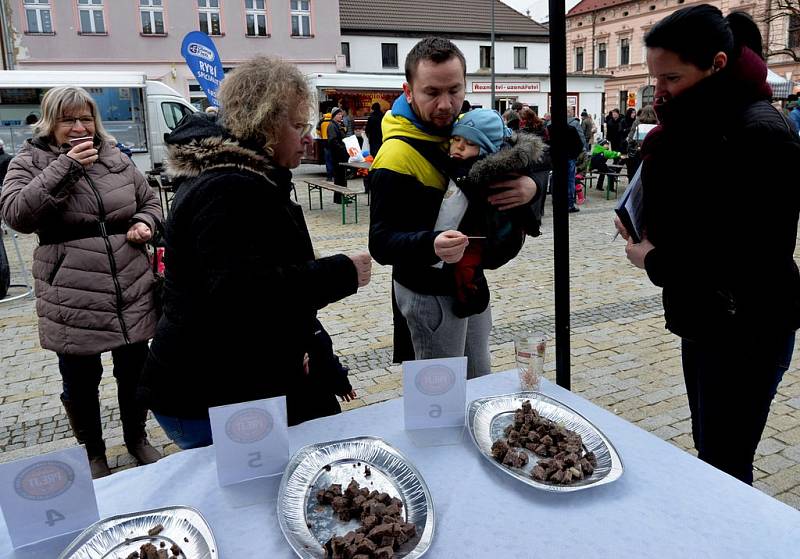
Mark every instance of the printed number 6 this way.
pixel 255 460
pixel 436 411
pixel 53 516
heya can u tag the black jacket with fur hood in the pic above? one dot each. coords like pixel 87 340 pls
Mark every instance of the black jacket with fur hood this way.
pixel 242 285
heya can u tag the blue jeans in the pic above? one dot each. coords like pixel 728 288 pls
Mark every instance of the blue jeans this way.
pixel 186 433
pixel 571 182
pixel 730 385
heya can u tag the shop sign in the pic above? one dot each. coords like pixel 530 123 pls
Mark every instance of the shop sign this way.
pixel 506 87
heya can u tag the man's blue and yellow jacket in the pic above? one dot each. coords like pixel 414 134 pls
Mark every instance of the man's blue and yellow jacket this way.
pixel 406 193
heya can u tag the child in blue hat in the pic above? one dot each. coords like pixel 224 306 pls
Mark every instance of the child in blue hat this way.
pixel 483 151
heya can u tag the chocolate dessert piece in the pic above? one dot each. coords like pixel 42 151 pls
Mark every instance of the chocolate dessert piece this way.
pixel 384 553
pixel 155 530
pixel 367 471
pixel 148 551
pixel 499 449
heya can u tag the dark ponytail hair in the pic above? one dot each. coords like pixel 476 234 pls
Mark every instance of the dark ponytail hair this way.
pixel 697 33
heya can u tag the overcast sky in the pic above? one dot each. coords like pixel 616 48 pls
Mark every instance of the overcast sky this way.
pixel 538 8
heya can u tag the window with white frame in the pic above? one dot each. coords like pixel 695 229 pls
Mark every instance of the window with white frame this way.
pixel 208 11
pixel 152 15
pixel 520 58
pixel 37 14
pixel 602 55
pixel 389 55
pixel 624 52
pixel 255 13
pixel 301 18
pixel 90 14
pixel 346 53
pixel 794 31
pixel 485 57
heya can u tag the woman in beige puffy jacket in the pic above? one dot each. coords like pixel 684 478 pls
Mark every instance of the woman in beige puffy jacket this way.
pixel 93 211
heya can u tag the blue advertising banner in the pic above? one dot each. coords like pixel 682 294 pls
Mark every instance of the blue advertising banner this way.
pixel 203 59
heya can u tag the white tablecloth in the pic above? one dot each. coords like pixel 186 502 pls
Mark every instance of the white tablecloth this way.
pixel 666 504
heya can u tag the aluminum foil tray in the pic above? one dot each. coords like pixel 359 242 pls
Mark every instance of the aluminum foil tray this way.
pixel 119 536
pixel 487 417
pixel 308 525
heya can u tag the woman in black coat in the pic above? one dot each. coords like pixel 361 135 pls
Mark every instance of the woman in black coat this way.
pixel 721 230
pixel 242 283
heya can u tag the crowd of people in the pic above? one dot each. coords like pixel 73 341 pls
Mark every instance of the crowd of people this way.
pixel 454 192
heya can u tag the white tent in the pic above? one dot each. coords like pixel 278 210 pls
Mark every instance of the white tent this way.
pixel 781 87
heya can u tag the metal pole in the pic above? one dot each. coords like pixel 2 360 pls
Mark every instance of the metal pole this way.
pixel 558 113
pixel 492 51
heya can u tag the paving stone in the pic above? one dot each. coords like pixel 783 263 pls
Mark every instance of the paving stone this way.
pixel 773 463
pixel 769 446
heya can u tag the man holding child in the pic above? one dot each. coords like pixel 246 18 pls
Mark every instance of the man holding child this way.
pixel 409 180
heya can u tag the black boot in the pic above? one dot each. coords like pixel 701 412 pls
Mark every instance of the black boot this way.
pixel 133 416
pixel 84 418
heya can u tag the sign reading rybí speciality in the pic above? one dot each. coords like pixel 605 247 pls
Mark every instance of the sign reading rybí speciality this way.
pixel 47 496
pixel 203 60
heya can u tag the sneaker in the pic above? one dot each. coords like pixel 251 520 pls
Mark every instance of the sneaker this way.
pixel 574 209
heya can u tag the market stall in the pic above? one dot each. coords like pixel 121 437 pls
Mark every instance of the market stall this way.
pixel 666 504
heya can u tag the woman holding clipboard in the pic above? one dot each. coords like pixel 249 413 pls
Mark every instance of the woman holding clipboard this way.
pixel 717 237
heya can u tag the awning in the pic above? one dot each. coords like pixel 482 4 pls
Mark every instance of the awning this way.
pixel 781 87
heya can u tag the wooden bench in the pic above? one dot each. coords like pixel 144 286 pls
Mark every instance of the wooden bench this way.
pixel 348 196
pixel 611 178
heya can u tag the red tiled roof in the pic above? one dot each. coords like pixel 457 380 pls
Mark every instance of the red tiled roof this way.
pixel 587 6
pixel 435 16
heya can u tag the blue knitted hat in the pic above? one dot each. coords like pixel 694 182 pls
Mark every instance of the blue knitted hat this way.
pixel 483 127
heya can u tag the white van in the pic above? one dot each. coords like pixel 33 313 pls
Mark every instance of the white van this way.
pixel 136 111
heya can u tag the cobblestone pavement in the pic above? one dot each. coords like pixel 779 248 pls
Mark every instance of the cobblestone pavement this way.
pixel 622 357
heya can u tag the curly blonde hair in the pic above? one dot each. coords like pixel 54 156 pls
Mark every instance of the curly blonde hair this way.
pixel 257 98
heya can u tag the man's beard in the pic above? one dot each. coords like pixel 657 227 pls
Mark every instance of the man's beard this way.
pixel 432 126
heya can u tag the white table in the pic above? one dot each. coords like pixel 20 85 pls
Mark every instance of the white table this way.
pixel 666 504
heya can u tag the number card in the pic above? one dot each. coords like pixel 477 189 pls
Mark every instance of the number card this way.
pixel 251 439
pixel 47 496
pixel 435 392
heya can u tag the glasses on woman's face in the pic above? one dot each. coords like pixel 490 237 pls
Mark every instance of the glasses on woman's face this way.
pixel 69 121
pixel 304 128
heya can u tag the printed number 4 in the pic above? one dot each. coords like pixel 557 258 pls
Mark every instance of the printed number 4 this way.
pixel 255 460
pixel 53 516
pixel 436 411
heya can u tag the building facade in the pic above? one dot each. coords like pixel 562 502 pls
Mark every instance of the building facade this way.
pixel 378 34
pixel 146 35
pixel 606 37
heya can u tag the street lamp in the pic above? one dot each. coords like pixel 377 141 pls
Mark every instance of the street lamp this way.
pixel 491 54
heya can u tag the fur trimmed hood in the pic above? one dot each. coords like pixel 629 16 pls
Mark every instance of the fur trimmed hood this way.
pixel 201 144
pixel 519 154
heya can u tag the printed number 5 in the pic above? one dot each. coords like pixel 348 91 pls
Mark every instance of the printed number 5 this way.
pixel 436 411
pixel 53 516
pixel 255 460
